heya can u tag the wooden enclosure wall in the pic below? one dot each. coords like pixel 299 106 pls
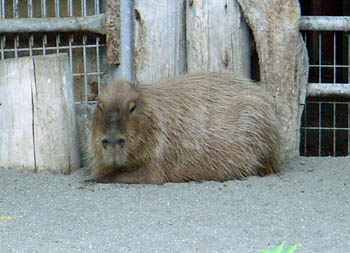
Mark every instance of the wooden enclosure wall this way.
pixel 174 37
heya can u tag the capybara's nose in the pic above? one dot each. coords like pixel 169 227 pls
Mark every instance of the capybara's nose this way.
pixel 105 143
pixel 113 143
pixel 121 142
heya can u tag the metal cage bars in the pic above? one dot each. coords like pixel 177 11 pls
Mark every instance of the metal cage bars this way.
pixel 82 52
pixel 325 129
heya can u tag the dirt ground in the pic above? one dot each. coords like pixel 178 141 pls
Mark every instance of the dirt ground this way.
pixel 308 203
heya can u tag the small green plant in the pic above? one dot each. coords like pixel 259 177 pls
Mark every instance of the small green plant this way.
pixel 281 250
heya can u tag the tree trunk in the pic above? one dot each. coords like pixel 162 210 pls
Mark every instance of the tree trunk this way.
pixel 283 62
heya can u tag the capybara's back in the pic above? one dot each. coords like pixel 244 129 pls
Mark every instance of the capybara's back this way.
pixel 194 127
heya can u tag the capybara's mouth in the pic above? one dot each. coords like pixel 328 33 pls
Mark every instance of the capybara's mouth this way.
pixel 114 159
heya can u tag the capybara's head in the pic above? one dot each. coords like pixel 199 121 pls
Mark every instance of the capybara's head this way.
pixel 116 123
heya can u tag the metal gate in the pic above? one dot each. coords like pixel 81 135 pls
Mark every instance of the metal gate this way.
pixel 325 129
pixel 78 36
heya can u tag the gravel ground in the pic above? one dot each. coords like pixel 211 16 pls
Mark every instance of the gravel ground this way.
pixel 308 203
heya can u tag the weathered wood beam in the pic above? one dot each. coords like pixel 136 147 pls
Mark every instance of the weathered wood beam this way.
pixel 324 23
pixel 94 24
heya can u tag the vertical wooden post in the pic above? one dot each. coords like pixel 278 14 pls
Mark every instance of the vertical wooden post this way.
pixel 217 37
pixel 159 39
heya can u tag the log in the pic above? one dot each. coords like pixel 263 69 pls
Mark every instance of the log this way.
pixel 159 39
pixel 37 115
pixel 283 62
pixel 218 37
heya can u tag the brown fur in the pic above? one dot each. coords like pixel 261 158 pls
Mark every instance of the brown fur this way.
pixel 194 127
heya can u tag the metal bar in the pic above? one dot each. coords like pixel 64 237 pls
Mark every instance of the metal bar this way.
pixel 70 8
pixel 319 57
pixel 44 41
pixel 58 41
pixel 97 7
pixel 30 8
pixel 15 9
pixel 15 16
pixel 326 128
pixel 94 24
pixel 330 66
pixel 325 102
pixel 325 23
pixel 319 130
pixel 71 39
pixel 15 46
pixel 305 132
pixel 85 69
pixel 349 129
pixel 334 138
pixel 334 57
pixel 83 8
pixel 3 41
pixel 57 8
pixel 51 47
pixel 43 15
pixel 2 9
pixel 348 38
pixel 31 42
pixel 43 8
pixel 31 37
pixel 98 64
pixel 326 89
pixel 126 67
pixel 2 38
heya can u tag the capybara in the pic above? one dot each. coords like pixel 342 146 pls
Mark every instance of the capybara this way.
pixel 195 127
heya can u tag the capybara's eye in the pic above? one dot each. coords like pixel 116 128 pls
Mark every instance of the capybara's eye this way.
pixel 132 107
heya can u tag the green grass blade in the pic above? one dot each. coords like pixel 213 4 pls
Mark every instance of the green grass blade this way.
pixel 292 249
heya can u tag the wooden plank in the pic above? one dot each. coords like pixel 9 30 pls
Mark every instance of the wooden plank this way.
pixel 217 37
pixel 159 39
pixel 113 31
pixel 16 115
pixel 55 131
pixel 37 115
